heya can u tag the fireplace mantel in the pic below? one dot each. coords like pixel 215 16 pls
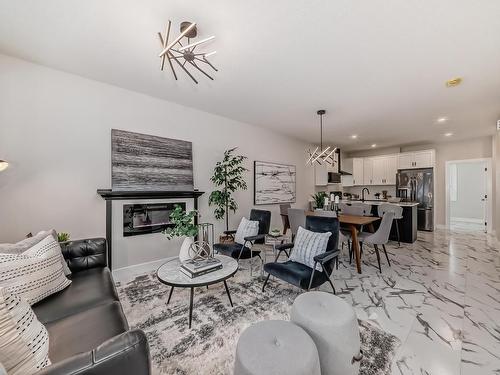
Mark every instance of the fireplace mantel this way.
pixel 110 195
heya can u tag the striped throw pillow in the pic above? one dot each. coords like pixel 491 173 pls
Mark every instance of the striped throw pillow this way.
pixel 36 273
pixel 24 341
pixel 247 228
pixel 307 245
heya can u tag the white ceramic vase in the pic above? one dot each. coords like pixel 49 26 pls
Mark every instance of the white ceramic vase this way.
pixel 184 252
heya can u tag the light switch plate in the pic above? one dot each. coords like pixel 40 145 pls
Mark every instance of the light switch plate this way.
pixel 498 125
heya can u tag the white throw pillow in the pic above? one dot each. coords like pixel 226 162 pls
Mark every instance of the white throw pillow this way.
pixel 36 273
pixel 307 245
pixel 247 228
pixel 24 341
pixel 23 245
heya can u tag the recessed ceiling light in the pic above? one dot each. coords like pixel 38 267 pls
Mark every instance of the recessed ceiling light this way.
pixel 442 119
pixel 374 145
pixel 454 82
pixel 354 136
pixel 448 134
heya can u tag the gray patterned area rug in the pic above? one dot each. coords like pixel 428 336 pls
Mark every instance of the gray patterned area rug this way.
pixel 209 346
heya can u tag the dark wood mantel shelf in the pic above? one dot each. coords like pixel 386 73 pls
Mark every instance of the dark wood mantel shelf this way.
pixel 109 194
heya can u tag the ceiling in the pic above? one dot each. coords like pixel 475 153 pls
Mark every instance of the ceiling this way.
pixel 377 66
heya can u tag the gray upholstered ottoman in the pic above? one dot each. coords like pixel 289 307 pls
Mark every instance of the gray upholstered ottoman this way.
pixel 276 347
pixel 332 324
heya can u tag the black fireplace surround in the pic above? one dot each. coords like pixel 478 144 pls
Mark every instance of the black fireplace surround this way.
pixel 110 195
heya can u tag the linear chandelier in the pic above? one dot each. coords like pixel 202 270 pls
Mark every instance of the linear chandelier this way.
pixel 185 53
pixel 319 155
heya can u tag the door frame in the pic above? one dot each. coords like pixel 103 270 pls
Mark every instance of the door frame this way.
pixel 489 190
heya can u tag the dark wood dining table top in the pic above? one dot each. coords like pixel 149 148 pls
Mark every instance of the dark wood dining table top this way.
pixel 350 219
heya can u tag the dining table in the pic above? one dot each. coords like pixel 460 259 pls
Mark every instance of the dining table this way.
pixel 353 222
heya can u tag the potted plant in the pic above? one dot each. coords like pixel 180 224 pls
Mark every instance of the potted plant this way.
pixel 184 226
pixel 62 237
pixel 228 177
pixel 319 199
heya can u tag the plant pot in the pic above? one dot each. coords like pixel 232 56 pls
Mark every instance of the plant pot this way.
pixel 184 252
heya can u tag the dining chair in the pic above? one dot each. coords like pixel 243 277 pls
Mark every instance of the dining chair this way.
pixel 380 237
pixel 367 208
pixel 354 210
pixel 398 215
pixel 284 216
pixel 297 218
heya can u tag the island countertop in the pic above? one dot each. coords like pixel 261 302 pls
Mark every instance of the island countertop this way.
pixel 378 202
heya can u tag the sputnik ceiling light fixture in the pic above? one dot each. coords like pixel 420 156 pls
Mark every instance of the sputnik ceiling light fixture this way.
pixel 320 155
pixel 184 55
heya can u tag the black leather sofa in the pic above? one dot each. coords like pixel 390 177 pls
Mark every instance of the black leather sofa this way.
pixel 88 332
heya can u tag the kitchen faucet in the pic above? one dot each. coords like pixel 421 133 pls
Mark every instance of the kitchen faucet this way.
pixel 363 194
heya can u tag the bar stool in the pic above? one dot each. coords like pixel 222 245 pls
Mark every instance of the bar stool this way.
pixel 398 214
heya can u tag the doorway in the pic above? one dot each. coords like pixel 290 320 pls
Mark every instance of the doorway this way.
pixel 468 193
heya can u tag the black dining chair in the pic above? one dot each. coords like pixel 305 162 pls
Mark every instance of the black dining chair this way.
pixel 304 276
pixel 245 250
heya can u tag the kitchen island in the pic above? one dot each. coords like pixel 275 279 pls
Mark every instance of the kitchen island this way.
pixel 407 225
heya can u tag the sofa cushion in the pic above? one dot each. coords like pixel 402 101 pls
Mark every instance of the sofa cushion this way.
pixel 85 331
pixel 88 289
pixel 295 273
pixel 36 273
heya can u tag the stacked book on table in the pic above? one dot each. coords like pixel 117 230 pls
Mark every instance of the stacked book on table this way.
pixel 194 268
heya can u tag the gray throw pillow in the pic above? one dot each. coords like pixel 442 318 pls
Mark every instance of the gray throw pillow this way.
pixel 307 245
pixel 21 246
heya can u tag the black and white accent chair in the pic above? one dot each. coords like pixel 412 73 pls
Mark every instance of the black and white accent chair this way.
pixel 301 275
pixel 246 236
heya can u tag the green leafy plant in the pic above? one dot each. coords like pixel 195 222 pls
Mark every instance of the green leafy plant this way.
pixel 183 223
pixel 228 177
pixel 319 199
pixel 62 237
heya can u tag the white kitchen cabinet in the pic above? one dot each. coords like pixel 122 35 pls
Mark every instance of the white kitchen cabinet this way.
pixel 417 159
pixel 367 171
pixel 424 159
pixel 320 175
pixel 391 169
pixel 378 170
pixel 357 171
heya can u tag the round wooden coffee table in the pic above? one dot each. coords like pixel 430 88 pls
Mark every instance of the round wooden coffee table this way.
pixel 170 274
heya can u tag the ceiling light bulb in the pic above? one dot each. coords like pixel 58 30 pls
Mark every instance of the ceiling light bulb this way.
pixel 354 136
pixel 196 43
pixel 374 145
pixel 442 119
pixel 209 54
pixel 448 134
pixel 3 165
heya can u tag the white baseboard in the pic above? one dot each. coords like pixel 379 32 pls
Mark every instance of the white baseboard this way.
pixel 466 220
pixel 129 273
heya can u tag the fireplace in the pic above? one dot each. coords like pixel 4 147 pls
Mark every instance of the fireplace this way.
pixel 147 218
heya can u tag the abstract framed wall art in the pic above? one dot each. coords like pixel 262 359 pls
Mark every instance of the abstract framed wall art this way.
pixel 141 162
pixel 274 183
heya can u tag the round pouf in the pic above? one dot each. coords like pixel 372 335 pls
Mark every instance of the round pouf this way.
pixel 276 347
pixel 332 324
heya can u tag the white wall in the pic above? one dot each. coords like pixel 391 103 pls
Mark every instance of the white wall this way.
pixel 55 132
pixel 471 188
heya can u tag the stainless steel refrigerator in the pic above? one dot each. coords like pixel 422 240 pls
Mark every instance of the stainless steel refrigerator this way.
pixel 417 185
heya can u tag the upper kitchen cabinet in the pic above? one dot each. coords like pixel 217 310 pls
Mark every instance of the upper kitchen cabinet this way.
pixel 384 169
pixel 367 171
pixel 321 175
pixel 417 159
pixel 357 171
